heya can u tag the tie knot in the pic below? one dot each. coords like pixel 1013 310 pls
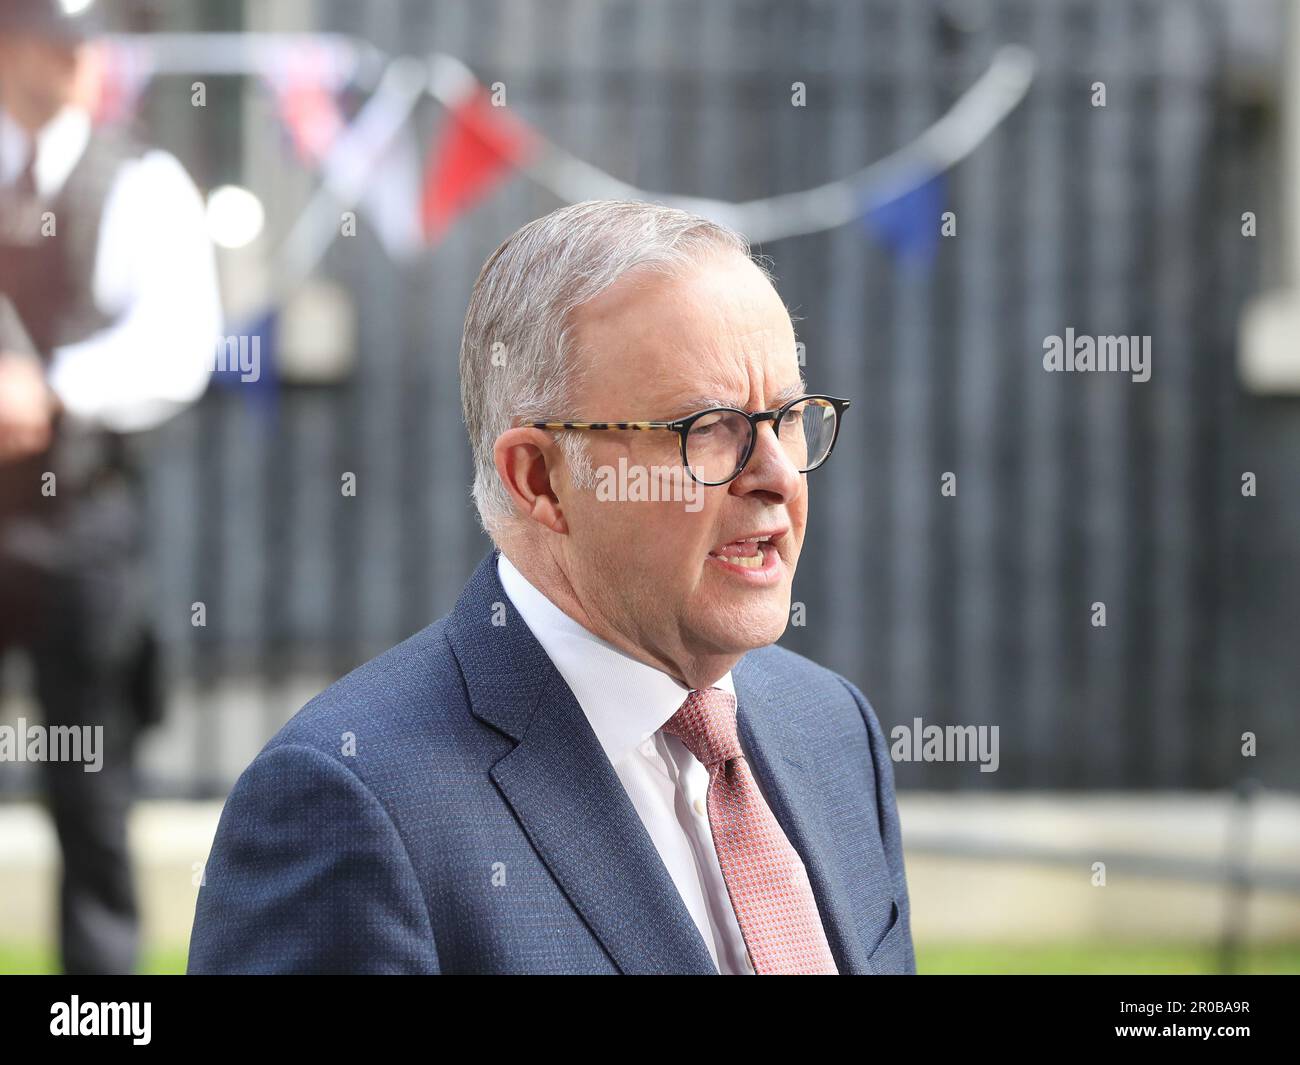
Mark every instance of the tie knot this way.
pixel 706 723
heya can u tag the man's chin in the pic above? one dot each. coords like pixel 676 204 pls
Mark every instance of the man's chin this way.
pixel 732 632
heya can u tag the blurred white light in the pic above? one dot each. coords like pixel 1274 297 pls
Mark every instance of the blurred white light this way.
pixel 75 7
pixel 235 216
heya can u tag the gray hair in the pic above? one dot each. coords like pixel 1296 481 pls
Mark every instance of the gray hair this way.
pixel 518 361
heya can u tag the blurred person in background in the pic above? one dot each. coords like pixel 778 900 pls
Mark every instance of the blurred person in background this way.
pixel 109 312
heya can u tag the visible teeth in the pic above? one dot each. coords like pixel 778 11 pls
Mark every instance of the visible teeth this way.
pixel 754 561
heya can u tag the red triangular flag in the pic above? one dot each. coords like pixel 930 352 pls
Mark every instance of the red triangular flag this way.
pixel 478 144
pixel 308 109
pixel 115 77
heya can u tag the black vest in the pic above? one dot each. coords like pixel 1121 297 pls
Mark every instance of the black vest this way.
pixel 47 280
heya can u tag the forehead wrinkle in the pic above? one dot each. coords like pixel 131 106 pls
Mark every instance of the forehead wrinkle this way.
pixel 689 404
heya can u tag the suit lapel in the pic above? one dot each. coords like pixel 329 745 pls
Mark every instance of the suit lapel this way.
pixel 566 795
pixel 770 732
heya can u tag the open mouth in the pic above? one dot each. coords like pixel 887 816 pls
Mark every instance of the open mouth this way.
pixel 755 555
pixel 748 553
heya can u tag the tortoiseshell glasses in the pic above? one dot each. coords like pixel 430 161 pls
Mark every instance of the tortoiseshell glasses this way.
pixel 717 443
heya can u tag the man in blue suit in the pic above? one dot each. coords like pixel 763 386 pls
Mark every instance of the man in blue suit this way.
pixel 597 762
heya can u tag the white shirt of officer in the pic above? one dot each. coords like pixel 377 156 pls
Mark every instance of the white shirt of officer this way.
pixel 154 278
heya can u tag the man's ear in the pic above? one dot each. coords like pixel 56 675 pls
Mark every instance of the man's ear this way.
pixel 524 460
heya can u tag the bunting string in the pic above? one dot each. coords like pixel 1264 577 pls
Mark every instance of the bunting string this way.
pixel 371 162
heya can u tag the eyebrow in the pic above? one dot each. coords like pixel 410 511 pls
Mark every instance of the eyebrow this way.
pixel 702 402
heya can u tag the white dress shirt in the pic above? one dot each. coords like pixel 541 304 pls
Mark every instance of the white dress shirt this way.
pixel 154 275
pixel 627 702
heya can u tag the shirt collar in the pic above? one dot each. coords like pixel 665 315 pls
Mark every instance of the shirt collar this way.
pixel 601 677
pixel 59 145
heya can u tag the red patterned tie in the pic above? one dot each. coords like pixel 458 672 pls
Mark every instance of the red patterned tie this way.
pixel 769 888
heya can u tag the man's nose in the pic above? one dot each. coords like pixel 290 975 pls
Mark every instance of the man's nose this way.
pixel 770 468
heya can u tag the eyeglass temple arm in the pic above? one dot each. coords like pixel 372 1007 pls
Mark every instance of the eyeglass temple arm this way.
pixel 767 415
pixel 605 425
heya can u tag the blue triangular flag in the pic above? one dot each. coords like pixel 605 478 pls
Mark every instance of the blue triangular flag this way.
pixel 906 217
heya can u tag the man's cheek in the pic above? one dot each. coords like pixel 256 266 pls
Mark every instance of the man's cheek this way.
pixel 693 492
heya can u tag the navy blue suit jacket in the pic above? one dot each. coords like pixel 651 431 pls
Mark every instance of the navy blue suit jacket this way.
pixel 446 807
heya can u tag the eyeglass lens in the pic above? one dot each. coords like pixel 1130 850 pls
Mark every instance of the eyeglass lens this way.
pixel 718 442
